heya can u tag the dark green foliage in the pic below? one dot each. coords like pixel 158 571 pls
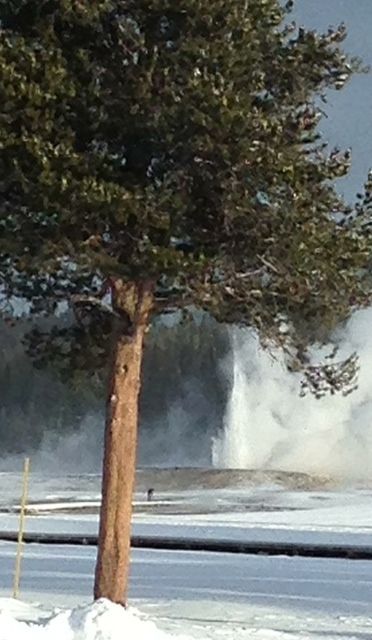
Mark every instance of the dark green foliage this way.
pixel 178 142
pixel 32 406
pixel 181 373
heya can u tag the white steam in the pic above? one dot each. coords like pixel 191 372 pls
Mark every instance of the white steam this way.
pixel 78 452
pixel 268 426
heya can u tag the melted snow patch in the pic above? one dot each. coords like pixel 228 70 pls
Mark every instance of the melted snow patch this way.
pixel 102 620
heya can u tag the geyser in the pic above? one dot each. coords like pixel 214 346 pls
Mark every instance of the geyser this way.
pixel 268 425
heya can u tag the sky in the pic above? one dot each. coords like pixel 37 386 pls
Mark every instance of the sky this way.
pixel 349 111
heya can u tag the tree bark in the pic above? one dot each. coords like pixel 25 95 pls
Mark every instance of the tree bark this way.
pixel 132 304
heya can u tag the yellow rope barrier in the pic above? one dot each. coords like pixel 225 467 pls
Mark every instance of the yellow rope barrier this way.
pixel 17 573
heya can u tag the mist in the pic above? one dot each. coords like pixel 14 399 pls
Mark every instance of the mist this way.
pixel 249 414
pixel 263 425
pixel 268 425
pixel 61 425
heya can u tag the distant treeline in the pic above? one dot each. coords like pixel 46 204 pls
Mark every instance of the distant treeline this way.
pixel 185 388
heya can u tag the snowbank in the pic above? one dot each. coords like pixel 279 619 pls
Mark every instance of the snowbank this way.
pixel 102 620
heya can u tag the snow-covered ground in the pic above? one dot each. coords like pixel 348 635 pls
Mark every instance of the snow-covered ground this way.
pixel 100 621
pixel 106 621
pixel 207 595
pixel 199 595
pixel 264 512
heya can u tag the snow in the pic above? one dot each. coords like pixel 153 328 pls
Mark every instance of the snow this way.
pixel 104 620
pixel 201 595
pixel 266 514
pixel 193 595
pixel 101 620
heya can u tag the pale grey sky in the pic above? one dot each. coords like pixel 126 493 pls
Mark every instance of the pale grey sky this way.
pixel 350 110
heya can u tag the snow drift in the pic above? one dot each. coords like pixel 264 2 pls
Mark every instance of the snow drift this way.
pixel 102 620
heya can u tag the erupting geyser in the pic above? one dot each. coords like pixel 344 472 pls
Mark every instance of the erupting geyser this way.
pixel 269 426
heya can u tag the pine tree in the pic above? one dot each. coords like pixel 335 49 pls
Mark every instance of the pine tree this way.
pixel 157 155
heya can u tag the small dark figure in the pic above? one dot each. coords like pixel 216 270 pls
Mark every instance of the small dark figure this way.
pixel 150 494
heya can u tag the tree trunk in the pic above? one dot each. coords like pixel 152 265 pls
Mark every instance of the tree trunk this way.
pixel 132 304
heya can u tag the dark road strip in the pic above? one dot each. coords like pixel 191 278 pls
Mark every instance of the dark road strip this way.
pixel 309 550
